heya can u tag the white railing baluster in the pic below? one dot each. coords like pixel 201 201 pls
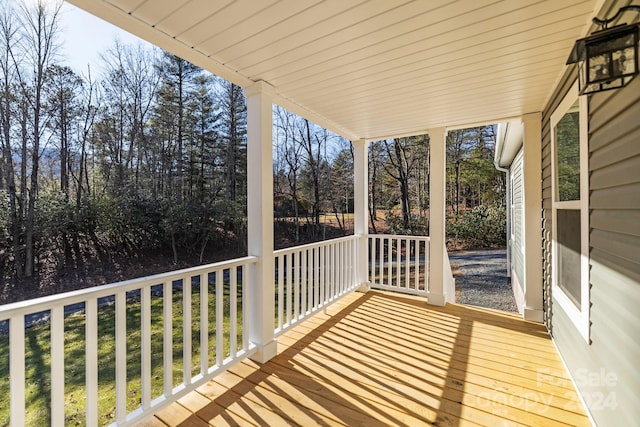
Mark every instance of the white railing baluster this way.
pixel 121 356
pixel 381 261
pixel 219 317
pixel 337 266
pixel 398 247
pixel 57 366
pixel 303 282
pixel 352 264
pixel 371 258
pixel 204 323
pixel 327 275
pixel 17 370
pixel 280 291
pixel 344 266
pixel 233 312
pixel 186 330
pixel 427 252
pixel 349 271
pixel 390 262
pixel 316 277
pixel 296 286
pixel 310 269
pixel 145 338
pixel 289 264
pixel 167 336
pixel 332 271
pixel 323 282
pixel 416 264
pixel 91 361
pixel 341 264
pixel 407 263
pixel 246 315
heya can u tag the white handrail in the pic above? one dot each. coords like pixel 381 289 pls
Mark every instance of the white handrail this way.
pixel 46 303
pixel 313 245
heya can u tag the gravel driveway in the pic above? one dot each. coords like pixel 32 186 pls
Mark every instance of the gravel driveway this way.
pixel 481 279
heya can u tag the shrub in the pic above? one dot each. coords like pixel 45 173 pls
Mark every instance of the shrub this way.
pixel 418 225
pixel 483 226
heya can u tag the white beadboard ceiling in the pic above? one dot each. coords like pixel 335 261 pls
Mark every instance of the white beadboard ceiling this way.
pixel 377 68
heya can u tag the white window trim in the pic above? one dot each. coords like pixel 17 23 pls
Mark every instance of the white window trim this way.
pixel 579 316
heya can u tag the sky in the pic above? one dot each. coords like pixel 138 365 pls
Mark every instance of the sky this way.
pixel 84 37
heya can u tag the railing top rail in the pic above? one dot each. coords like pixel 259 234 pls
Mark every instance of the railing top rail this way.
pixel 313 245
pixel 399 236
pixel 73 297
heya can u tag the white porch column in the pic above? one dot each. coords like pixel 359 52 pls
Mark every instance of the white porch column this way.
pixel 260 218
pixel 532 200
pixel 437 214
pixel 361 210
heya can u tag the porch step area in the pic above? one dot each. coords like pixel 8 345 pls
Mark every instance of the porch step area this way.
pixel 380 359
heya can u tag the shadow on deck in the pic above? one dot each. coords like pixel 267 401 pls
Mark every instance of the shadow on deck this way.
pixel 379 359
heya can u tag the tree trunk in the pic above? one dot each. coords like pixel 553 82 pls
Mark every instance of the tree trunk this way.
pixel 457 189
pixel 404 185
pixel 180 131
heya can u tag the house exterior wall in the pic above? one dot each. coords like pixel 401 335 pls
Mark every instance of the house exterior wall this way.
pixel 605 369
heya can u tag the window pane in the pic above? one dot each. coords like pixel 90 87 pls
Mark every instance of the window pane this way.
pixel 569 243
pixel 568 156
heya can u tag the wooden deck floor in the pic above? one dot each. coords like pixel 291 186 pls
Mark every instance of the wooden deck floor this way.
pixel 379 359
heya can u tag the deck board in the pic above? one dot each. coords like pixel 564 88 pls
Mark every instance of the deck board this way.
pixel 380 359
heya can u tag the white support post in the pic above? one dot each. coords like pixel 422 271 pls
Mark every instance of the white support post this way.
pixel 437 215
pixel 361 211
pixel 260 218
pixel 532 185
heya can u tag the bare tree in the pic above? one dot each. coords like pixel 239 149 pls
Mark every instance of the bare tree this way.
pixel 40 23
pixel 9 37
pixel 290 151
pixel 90 104
pixel 399 168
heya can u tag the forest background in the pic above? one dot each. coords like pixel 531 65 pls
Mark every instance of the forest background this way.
pixel 142 168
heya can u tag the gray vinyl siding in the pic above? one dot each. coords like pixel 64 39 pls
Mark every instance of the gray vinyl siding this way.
pixel 517 243
pixel 614 202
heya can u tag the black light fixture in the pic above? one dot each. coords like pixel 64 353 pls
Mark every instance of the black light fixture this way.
pixel 608 58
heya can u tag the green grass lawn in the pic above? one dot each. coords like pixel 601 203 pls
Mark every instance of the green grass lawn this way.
pixel 38 369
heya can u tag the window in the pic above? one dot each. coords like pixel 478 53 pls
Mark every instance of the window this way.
pixel 570 181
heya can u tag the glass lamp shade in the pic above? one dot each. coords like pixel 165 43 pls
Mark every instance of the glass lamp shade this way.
pixel 608 59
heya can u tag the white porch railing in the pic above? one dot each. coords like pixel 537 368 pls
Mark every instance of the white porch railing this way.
pixel 310 277
pixel 142 315
pixel 154 356
pixel 399 263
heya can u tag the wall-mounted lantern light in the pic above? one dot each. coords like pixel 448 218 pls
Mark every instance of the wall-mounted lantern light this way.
pixel 608 58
